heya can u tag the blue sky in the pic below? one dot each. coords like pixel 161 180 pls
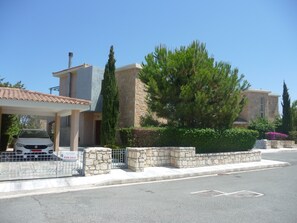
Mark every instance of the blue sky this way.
pixel 259 37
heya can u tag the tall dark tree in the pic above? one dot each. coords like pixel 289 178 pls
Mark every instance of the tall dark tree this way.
pixel 287 116
pixel 10 123
pixel 110 108
pixel 294 115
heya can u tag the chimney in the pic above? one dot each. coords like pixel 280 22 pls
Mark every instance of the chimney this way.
pixel 70 55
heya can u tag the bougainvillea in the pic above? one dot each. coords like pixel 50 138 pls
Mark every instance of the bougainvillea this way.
pixel 275 136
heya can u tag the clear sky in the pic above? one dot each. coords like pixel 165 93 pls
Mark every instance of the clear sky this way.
pixel 259 37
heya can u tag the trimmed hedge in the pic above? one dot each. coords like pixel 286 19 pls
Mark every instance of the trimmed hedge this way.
pixel 204 140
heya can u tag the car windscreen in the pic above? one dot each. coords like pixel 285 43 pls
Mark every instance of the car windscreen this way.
pixel 33 134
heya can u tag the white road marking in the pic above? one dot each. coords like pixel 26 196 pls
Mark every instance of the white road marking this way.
pixel 202 191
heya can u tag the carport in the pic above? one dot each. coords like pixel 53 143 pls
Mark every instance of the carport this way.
pixel 25 102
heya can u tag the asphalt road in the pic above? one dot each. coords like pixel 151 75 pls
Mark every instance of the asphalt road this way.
pixel 274 200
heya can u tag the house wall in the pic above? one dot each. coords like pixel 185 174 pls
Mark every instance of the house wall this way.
pixel 253 109
pixel 64 86
pixel 131 96
pixel 87 131
pixel 85 84
pixel 273 107
pixel 88 86
pixel 140 102
pixel 126 85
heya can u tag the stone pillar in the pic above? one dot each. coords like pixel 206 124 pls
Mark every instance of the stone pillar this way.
pixel 262 144
pixel 74 130
pixel 136 159
pixel 97 160
pixel 275 144
pixel 57 132
pixel 183 157
pixel 288 143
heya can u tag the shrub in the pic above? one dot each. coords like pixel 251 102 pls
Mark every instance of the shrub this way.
pixel 112 146
pixel 275 136
pixel 293 136
pixel 204 140
pixel 126 137
pixel 140 137
pixel 262 125
pixel 148 121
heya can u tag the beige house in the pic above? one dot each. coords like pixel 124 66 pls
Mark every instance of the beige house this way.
pixel 260 103
pixel 84 82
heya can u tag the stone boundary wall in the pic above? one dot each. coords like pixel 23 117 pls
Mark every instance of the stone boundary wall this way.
pixel 97 160
pixel 184 157
pixel 274 144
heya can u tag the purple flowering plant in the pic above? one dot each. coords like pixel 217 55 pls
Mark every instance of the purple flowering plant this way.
pixel 275 136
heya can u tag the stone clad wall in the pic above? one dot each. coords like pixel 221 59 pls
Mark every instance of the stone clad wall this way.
pixel 136 159
pixel 157 156
pixel 126 85
pixel 140 104
pixel 97 160
pixel 227 158
pixel 184 157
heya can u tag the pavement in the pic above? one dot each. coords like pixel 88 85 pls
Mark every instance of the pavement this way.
pixel 18 188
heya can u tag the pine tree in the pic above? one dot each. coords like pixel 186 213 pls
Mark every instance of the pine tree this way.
pixel 190 89
pixel 287 116
pixel 110 108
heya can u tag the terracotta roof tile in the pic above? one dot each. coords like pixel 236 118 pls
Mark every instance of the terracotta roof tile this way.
pixel 26 95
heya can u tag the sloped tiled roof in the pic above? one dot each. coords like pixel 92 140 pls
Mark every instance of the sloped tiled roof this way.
pixel 26 95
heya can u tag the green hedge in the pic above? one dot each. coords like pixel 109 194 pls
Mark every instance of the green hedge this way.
pixel 204 140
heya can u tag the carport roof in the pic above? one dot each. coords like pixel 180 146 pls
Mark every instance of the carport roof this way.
pixel 20 101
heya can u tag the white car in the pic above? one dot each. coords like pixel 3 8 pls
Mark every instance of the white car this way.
pixel 33 143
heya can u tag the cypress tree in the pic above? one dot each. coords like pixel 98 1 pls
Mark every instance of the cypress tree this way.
pixel 110 107
pixel 287 116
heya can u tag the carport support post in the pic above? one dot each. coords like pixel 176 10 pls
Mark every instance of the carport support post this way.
pixel 74 130
pixel 0 121
pixel 57 132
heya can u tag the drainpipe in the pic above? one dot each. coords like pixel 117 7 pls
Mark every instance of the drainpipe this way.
pixel 70 55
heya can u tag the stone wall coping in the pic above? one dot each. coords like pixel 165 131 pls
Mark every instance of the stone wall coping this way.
pixel 281 140
pixel 137 148
pixel 165 147
pixel 99 149
pixel 228 153
pixel 182 148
